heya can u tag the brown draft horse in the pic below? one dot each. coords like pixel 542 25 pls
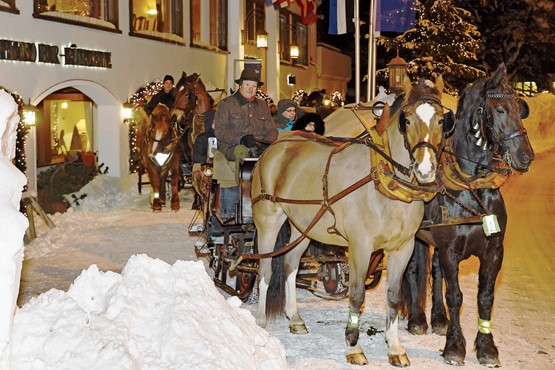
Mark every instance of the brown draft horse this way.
pixel 489 142
pixel 191 102
pixel 160 156
pixel 293 173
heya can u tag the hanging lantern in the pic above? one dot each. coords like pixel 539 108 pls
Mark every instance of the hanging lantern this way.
pixel 397 70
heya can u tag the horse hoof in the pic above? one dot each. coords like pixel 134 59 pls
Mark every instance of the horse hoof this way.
pixel 399 360
pixel 453 360
pixel 490 362
pixel 440 329
pixel 417 329
pixel 298 329
pixel 357 359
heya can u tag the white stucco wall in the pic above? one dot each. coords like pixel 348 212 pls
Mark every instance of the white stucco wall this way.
pixel 135 63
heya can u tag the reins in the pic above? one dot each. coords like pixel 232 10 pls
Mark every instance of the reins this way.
pixel 395 188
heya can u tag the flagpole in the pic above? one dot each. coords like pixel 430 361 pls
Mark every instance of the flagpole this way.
pixel 357 53
pixel 371 85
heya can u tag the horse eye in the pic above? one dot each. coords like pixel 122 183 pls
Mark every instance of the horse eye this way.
pixel 407 122
pixel 441 121
pixel 500 110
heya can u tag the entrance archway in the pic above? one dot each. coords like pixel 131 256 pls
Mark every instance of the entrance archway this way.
pixel 109 132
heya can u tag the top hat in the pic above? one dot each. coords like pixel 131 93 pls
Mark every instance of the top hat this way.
pixel 249 75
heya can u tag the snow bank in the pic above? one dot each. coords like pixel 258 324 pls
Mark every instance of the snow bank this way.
pixel 152 316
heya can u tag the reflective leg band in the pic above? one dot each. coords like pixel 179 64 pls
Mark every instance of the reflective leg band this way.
pixel 156 195
pixel 353 320
pixel 484 326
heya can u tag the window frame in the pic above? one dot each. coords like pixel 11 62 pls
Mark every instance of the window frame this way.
pixel 292 30
pixel 217 39
pixel 254 20
pixel 176 34
pixel 114 8
pixel 10 7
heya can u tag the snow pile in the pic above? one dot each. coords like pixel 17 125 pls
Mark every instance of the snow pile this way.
pixel 152 316
pixel 12 223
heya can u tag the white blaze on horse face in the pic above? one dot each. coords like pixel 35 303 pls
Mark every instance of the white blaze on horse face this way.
pixel 158 137
pixel 425 112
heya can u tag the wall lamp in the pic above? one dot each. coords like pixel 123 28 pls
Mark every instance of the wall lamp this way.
pixel 30 113
pixel 127 111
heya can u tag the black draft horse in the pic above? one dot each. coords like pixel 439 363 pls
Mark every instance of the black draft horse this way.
pixel 489 141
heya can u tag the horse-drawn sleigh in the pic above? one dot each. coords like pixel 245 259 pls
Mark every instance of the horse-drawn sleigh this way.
pixel 372 182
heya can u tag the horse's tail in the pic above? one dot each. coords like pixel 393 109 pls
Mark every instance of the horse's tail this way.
pixel 275 300
pixel 415 280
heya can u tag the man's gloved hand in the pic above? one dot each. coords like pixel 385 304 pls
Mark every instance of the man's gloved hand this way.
pixel 248 141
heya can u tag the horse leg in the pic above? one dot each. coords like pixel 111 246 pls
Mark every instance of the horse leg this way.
pixel 455 344
pixel 439 315
pixel 268 220
pixel 175 185
pixel 487 352
pixel 414 289
pixel 359 258
pixel 292 260
pixel 396 263
pixel 154 178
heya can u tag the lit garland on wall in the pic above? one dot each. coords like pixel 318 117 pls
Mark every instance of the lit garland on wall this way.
pixel 138 100
pixel 22 133
pixel 299 96
pixel 263 96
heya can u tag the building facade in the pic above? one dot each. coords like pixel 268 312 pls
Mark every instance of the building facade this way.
pixel 79 62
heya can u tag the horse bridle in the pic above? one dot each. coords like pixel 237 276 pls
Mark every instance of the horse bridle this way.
pixel 484 125
pixel 423 144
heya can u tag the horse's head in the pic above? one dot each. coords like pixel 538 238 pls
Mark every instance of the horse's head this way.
pixel 495 114
pixel 423 121
pixel 184 93
pixel 162 135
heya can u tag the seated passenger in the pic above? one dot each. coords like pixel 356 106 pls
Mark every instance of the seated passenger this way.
pixel 310 122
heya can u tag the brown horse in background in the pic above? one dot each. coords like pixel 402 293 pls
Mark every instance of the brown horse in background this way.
pixel 191 102
pixel 160 156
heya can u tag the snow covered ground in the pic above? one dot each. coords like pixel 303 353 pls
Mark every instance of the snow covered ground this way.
pixel 115 286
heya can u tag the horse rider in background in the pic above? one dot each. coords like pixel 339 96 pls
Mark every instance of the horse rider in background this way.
pixel 164 96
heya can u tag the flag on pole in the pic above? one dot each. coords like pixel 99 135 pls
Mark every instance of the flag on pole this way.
pixel 395 15
pixel 310 15
pixel 341 17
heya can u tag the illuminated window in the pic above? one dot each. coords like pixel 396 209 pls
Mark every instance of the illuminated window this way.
pixel 158 19
pixel 100 14
pixel 66 127
pixel 214 33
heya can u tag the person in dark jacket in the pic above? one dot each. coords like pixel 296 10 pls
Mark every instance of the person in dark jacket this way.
pixel 164 96
pixel 242 120
pixel 310 122
pixel 200 147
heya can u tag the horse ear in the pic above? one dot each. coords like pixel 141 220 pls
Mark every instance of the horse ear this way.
pixel 383 122
pixel 402 124
pixel 439 84
pixel 524 108
pixel 448 123
pixel 407 86
pixel 183 74
pixel 497 77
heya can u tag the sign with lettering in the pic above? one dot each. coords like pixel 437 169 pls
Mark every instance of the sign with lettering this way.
pixel 19 51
